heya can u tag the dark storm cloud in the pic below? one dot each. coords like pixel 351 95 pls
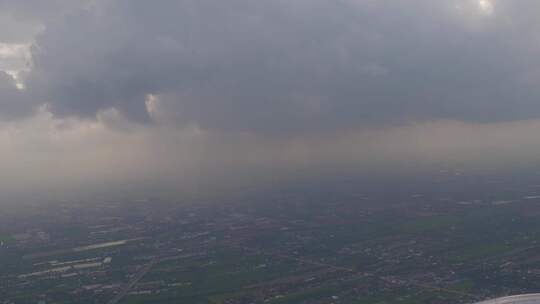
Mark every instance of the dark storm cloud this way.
pixel 292 66
pixel 12 102
pixel 21 19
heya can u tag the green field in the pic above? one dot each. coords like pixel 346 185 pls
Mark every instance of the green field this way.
pixel 7 239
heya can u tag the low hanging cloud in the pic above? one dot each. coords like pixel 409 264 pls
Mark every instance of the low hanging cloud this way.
pixel 291 67
pixel 115 92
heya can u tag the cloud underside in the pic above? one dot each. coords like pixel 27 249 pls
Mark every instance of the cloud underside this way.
pixel 110 92
pixel 285 67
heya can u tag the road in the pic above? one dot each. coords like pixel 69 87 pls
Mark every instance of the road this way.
pixel 138 276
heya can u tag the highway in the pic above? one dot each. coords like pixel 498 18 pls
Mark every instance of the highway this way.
pixel 138 276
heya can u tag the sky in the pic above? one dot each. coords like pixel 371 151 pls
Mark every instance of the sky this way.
pixel 188 93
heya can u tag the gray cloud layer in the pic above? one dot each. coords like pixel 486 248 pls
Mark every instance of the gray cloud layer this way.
pixel 212 91
pixel 285 67
pixel 21 20
pixel 12 102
